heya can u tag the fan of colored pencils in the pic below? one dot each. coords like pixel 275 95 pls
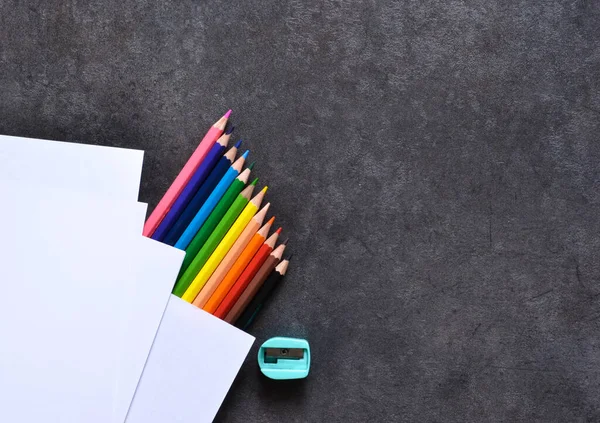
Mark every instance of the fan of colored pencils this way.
pixel 232 265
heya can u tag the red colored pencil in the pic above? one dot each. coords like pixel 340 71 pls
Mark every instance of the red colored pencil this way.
pixel 246 277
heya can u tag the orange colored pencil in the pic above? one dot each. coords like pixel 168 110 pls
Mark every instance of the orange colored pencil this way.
pixel 255 244
pixel 255 284
pixel 246 277
pixel 233 254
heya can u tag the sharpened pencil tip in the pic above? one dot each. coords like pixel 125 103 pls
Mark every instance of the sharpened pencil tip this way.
pixel 288 258
pixel 278 231
pixel 226 116
pixel 286 241
pixel 271 220
pixel 251 166
pixel 237 145
pixel 254 182
pixel 229 129
pixel 264 190
pixel 245 155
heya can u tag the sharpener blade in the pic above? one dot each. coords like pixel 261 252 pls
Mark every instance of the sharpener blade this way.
pixel 274 354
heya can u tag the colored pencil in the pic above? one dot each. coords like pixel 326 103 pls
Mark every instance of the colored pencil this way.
pixel 211 202
pixel 192 186
pixel 227 241
pixel 215 217
pixel 184 176
pixel 198 261
pixel 262 296
pixel 253 229
pixel 246 277
pixel 218 255
pixel 237 268
pixel 200 197
pixel 255 284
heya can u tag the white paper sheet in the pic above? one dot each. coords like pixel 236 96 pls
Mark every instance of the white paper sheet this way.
pixel 61 279
pixel 192 364
pixel 108 171
pixel 74 341
pixel 149 296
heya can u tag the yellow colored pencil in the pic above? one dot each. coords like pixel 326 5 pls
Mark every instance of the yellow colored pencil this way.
pixel 251 229
pixel 226 243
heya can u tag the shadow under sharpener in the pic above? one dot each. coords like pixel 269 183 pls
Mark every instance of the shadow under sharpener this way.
pixel 284 358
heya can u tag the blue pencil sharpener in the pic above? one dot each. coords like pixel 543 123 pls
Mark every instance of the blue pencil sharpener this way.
pixel 282 358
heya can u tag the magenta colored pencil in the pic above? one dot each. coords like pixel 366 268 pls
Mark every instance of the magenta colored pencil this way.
pixel 192 186
pixel 184 176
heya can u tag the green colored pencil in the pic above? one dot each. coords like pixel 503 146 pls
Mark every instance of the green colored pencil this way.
pixel 213 241
pixel 215 217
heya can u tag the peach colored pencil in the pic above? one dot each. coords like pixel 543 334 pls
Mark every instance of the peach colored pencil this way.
pixel 257 281
pixel 246 277
pixel 218 253
pixel 184 176
pixel 233 254
pixel 256 246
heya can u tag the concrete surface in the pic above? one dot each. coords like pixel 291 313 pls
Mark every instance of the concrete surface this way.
pixel 435 164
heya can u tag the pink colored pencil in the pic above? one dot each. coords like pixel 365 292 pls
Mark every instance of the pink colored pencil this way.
pixel 184 176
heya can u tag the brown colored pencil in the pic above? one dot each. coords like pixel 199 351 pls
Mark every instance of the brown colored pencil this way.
pixel 257 281
pixel 263 294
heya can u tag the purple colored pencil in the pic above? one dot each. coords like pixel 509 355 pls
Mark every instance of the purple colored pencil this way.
pixel 192 186
pixel 201 196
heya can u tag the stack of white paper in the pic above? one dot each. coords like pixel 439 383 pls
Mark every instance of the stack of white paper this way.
pixel 84 294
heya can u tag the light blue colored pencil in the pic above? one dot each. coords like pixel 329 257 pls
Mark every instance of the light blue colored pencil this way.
pixel 210 203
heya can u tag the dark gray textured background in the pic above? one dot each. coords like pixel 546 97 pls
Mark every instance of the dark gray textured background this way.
pixel 435 163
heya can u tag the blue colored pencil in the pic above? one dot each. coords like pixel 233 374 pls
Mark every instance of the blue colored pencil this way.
pixel 192 187
pixel 200 197
pixel 210 203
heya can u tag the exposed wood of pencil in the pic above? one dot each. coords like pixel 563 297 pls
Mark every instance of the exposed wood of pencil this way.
pixel 247 192
pixel 278 252
pixel 244 176
pixel 282 267
pixel 239 163
pixel 220 124
pixel 264 231
pixel 224 140
pixel 272 239
pixel 257 200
